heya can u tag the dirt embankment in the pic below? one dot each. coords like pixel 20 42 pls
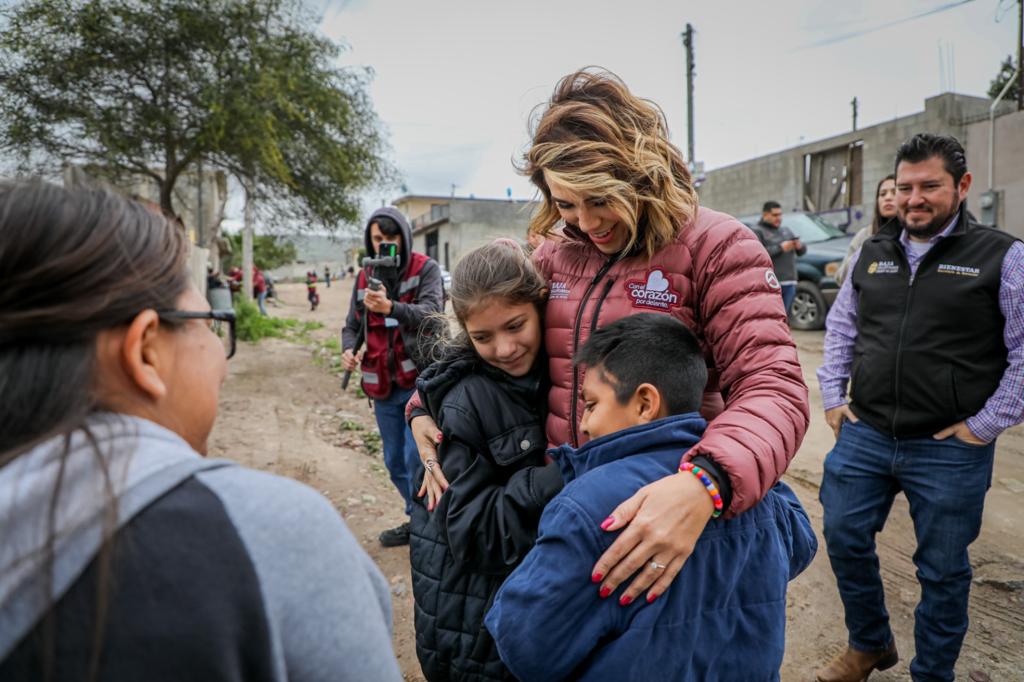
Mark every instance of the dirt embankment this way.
pixel 282 410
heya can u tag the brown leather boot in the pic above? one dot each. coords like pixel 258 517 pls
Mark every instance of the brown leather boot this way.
pixel 855 666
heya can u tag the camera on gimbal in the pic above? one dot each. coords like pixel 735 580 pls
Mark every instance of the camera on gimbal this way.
pixel 382 268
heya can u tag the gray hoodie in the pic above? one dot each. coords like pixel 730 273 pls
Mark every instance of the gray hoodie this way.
pixel 429 289
pixel 217 571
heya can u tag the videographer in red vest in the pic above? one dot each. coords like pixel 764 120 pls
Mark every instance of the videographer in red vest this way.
pixel 391 301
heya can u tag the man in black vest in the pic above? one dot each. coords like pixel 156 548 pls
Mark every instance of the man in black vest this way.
pixel 929 331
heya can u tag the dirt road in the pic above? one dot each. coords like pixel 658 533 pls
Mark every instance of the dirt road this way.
pixel 282 410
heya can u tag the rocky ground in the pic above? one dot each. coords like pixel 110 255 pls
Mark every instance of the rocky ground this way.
pixel 282 410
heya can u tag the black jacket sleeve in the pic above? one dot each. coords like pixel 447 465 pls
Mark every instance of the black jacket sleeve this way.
pixel 489 515
pixel 429 298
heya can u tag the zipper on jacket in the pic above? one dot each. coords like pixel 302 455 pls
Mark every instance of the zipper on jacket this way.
pixel 899 353
pixel 574 397
pixel 600 301
pixel 925 260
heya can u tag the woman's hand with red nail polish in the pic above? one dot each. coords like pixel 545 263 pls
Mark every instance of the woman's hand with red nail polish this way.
pixel 428 437
pixel 660 523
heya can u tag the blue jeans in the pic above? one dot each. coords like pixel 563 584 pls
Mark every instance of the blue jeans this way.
pixel 261 297
pixel 788 294
pixel 945 482
pixel 400 454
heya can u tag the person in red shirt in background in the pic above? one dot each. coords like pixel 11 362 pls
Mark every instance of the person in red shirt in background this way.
pixel 311 295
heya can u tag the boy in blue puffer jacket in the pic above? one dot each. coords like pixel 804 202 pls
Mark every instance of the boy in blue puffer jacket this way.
pixel 724 617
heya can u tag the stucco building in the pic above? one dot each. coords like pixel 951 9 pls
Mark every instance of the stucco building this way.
pixel 447 228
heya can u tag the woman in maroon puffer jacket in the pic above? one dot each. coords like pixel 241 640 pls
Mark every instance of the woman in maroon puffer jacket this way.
pixel 624 234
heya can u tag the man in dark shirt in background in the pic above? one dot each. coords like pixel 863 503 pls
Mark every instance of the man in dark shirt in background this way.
pixel 783 247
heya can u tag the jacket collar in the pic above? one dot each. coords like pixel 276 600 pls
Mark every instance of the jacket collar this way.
pixel 435 381
pixel 679 431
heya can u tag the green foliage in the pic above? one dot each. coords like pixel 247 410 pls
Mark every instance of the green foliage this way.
pixel 372 443
pixel 999 82
pixel 327 353
pixel 132 88
pixel 251 326
pixel 268 252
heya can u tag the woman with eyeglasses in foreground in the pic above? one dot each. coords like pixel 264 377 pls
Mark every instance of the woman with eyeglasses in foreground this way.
pixel 125 553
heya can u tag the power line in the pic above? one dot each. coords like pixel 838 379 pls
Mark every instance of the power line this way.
pixel 878 27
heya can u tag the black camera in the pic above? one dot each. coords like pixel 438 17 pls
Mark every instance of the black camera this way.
pixel 386 264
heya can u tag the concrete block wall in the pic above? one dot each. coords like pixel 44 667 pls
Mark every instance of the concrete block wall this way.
pixel 740 189
pixel 1008 176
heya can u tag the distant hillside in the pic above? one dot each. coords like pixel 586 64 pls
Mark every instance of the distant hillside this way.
pixel 321 248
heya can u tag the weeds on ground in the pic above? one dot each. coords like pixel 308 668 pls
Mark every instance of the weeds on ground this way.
pixel 327 353
pixel 372 443
pixel 350 425
pixel 251 326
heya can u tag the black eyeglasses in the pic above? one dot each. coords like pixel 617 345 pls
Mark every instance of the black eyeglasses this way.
pixel 225 332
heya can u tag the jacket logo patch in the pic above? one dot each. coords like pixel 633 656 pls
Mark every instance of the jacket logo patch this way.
pixel 654 292
pixel 773 281
pixel 960 270
pixel 559 291
pixel 883 267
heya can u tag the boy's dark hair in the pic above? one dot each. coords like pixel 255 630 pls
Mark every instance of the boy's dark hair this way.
pixel 648 348
pixel 770 206
pixel 924 146
pixel 387 226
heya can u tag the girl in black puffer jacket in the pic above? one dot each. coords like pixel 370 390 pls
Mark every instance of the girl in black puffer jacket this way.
pixel 488 399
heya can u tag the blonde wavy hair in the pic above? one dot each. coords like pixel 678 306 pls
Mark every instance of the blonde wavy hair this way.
pixel 599 140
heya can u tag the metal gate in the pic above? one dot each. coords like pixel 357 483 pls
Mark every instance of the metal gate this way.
pixel 832 178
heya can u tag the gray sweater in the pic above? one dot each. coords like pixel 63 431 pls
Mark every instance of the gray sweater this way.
pixel 218 572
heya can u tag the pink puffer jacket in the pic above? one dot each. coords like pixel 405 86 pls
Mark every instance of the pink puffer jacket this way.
pixel 717 279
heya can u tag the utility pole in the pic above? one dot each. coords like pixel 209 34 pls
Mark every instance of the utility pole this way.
pixel 853 103
pixel 688 43
pixel 200 222
pixel 1020 55
pixel 248 231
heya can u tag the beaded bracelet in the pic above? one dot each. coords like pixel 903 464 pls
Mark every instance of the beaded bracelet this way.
pixel 712 489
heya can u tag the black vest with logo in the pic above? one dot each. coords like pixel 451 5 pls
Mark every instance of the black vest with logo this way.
pixel 929 351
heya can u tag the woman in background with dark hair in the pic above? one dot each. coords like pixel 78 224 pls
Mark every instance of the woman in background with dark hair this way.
pixel 885 210
pixel 126 554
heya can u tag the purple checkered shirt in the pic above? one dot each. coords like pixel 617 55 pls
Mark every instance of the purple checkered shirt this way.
pixel 1004 408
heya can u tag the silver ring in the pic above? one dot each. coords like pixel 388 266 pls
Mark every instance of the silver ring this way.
pixel 656 566
pixel 429 464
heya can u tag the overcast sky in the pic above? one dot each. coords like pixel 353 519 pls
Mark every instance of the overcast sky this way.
pixel 455 80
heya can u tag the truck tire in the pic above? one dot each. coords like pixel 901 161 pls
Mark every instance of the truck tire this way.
pixel 808 310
